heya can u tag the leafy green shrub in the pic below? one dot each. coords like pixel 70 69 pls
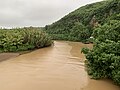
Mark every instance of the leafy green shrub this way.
pixel 103 61
pixel 23 39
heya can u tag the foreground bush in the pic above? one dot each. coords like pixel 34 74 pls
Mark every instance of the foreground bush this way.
pixel 23 39
pixel 103 61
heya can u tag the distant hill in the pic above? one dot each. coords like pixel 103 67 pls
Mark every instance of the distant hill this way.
pixel 79 24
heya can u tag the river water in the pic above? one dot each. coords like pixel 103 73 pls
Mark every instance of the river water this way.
pixel 59 67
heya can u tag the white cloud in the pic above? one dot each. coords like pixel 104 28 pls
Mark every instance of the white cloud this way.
pixel 17 13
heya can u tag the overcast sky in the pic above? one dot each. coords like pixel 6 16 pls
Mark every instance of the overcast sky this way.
pixel 19 13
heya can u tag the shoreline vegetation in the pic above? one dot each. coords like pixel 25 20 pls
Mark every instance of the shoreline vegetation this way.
pixel 22 39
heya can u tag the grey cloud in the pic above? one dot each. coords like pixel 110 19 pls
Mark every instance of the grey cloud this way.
pixel 18 13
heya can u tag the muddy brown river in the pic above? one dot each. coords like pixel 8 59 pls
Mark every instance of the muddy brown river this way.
pixel 59 67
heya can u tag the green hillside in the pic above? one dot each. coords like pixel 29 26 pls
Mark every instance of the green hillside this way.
pixel 79 24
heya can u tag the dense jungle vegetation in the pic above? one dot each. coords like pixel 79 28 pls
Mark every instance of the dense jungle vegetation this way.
pixel 101 21
pixel 103 61
pixel 23 39
pixel 79 24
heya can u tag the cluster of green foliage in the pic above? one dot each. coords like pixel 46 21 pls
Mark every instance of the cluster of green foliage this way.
pixel 23 39
pixel 88 17
pixel 78 33
pixel 103 61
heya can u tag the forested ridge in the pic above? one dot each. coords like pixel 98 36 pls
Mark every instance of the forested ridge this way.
pixel 79 24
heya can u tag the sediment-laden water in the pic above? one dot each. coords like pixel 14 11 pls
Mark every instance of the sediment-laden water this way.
pixel 59 67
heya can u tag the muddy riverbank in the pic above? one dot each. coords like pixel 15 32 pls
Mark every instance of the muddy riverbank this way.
pixel 5 56
pixel 59 67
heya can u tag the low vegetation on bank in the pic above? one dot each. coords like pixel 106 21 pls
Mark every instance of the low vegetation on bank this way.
pixel 23 39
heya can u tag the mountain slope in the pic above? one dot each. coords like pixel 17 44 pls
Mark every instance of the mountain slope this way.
pixel 89 17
